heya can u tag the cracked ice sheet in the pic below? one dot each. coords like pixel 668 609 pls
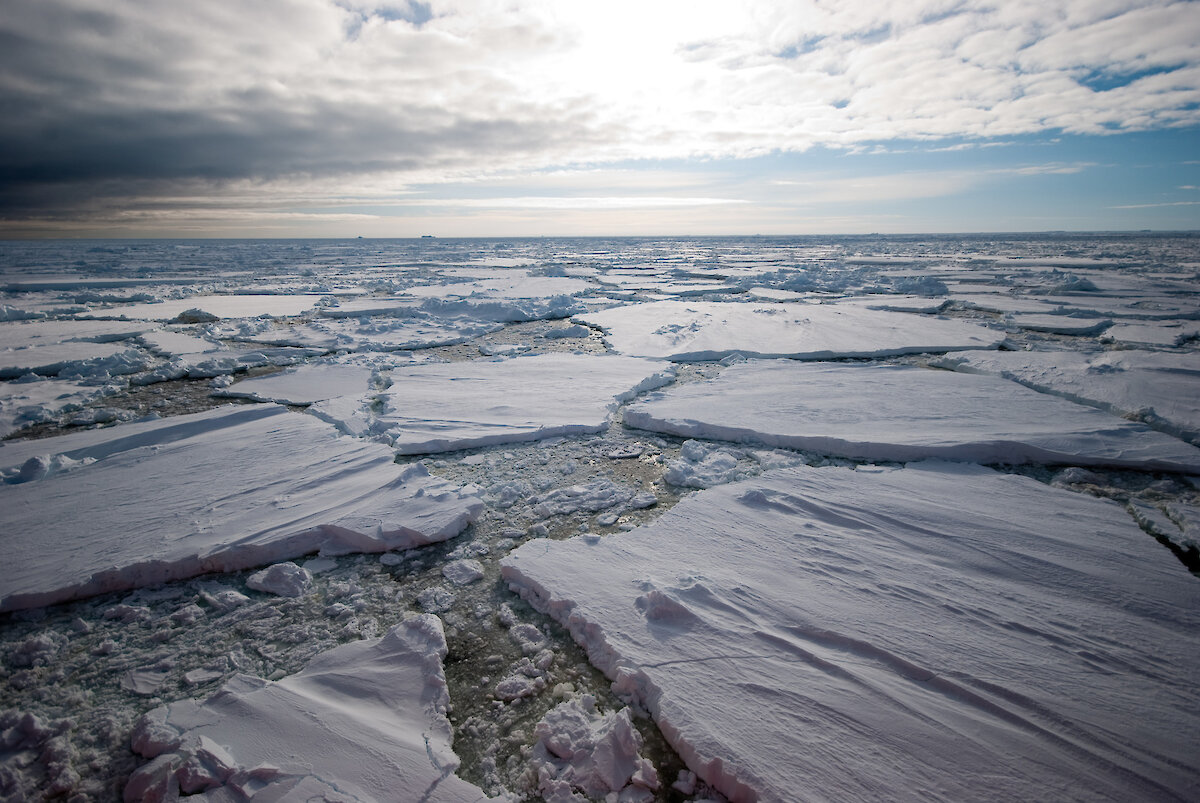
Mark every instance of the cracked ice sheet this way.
pixel 220 491
pixel 903 413
pixel 678 330
pixel 1160 388
pixel 464 405
pixel 376 333
pixel 938 632
pixel 365 721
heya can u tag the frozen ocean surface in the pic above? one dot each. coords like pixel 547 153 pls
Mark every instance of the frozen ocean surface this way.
pixel 893 634
pixel 903 413
pixel 210 493
pixel 275 512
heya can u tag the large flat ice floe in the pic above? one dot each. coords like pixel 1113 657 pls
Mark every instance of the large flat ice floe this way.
pixel 365 721
pixel 903 413
pixel 220 306
pixel 1160 388
pixel 446 407
pixel 220 491
pixel 938 632
pixel 679 330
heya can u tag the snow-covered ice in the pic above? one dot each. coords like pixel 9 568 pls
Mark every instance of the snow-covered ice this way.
pixel 1061 324
pixel 680 330
pixel 34 399
pixel 76 358
pixel 365 721
pixel 227 491
pixel 1159 333
pixel 220 306
pixel 347 313
pixel 938 632
pixel 305 384
pixel 1159 388
pixel 903 413
pixel 440 408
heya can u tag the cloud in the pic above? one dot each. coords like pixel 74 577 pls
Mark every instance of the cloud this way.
pixel 572 202
pixel 1153 206
pixel 104 101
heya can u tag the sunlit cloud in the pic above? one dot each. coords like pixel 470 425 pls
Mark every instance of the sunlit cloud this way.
pixel 341 102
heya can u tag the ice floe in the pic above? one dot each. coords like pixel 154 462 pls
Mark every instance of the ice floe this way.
pixel 939 632
pixel 1159 333
pixel 1061 324
pixel 1159 388
pixel 679 330
pixel 440 408
pixel 222 491
pixel 306 384
pixel 365 721
pixel 32 399
pixel 218 306
pixel 903 413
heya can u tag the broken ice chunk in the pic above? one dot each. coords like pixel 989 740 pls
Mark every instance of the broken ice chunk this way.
pixel 463 572
pixel 283 579
pixel 360 722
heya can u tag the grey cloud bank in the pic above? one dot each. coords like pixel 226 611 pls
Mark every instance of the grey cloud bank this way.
pixel 109 106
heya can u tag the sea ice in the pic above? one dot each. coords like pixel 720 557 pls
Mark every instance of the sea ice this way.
pixel 683 331
pixel 413 331
pixel 48 333
pixel 1158 333
pixel 32 399
pixel 579 749
pixel 1159 388
pixel 902 413
pixel 446 407
pixel 305 384
pixel 362 722
pixel 937 632
pixel 73 358
pixel 221 491
pixel 221 306
pixel 1061 324
pixel 167 343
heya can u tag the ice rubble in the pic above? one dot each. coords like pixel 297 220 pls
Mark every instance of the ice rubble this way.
pixel 446 407
pixel 580 750
pixel 222 491
pixel 365 721
pixel 1158 387
pixel 902 413
pixel 679 330
pixel 938 632
pixel 413 331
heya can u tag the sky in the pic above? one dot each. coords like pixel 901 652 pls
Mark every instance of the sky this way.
pixel 487 118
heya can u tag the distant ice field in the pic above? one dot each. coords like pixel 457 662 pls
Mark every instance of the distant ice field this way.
pixel 632 519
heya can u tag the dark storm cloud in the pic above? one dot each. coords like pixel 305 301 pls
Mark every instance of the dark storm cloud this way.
pixel 111 100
